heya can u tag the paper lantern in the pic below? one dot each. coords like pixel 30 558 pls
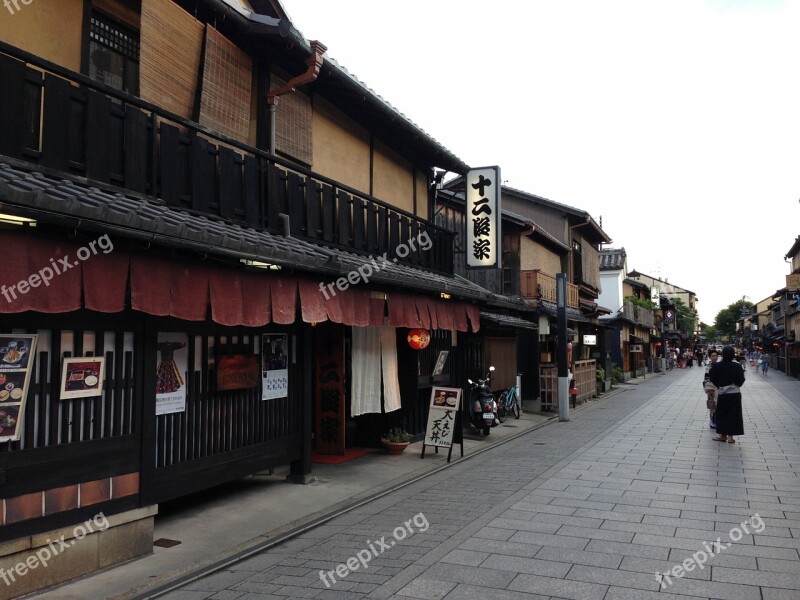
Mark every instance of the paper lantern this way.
pixel 419 339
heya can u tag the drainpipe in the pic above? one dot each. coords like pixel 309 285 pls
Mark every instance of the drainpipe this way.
pixel 314 62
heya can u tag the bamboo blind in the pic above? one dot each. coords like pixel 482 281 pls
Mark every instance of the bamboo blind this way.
pixel 293 124
pixel 591 265
pixel 171 42
pixel 226 91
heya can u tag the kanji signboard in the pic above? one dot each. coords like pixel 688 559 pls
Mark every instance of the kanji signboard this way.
pixel 444 420
pixel 484 236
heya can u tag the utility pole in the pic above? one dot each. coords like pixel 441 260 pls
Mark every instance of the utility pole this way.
pixel 563 380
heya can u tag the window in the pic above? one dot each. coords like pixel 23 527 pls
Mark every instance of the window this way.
pixel 113 54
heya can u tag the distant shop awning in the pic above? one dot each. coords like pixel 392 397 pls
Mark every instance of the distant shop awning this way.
pixel 508 320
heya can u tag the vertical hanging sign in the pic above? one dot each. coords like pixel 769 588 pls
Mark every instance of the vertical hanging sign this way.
pixel 483 222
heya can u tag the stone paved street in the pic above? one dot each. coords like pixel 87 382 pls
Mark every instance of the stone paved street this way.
pixel 589 509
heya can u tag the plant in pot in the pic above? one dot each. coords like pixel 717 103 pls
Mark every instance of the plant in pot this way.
pixel 396 440
pixel 603 383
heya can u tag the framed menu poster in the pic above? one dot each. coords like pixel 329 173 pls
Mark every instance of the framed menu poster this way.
pixel 82 377
pixel 16 352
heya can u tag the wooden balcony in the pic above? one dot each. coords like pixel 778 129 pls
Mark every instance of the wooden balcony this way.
pixel 64 121
pixel 642 316
pixel 536 285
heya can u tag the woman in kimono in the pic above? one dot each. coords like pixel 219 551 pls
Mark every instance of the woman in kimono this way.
pixel 728 376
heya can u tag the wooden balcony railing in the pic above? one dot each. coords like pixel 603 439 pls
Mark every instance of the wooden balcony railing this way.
pixel 536 285
pixel 60 119
pixel 640 315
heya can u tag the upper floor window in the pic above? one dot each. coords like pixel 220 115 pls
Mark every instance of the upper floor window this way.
pixel 113 54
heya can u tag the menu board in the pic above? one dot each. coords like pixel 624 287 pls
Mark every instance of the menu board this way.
pixel 15 371
pixel 442 413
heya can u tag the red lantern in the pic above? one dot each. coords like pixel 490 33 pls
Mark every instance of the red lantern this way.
pixel 419 339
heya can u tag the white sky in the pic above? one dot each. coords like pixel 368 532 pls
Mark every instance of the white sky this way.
pixel 676 121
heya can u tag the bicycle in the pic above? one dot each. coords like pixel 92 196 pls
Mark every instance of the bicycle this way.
pixel 509 403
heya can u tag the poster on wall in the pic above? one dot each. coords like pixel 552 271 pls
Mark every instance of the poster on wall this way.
pixel 15 361
pixel 440 361
pixel 82 377
pixel 171 373
pixel 274 366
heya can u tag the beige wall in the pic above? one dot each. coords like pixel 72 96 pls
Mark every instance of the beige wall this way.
pixel 342 152
pixel 536 256
pixel 49 29
pixel 341 147
pixel 392 179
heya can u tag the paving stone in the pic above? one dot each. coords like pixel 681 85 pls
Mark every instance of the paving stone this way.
pixel 532 566
pixel 561 588
pixel 580 557
pixel 428 589
pixel 473 592
pixel 639 581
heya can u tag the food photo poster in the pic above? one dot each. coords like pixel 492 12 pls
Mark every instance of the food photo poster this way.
pixel 82 377
pixel 15 372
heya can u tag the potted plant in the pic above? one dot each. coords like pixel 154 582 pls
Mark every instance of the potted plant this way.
pixel 395 440
pixel 603 383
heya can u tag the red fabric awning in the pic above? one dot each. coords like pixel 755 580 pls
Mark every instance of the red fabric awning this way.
pixel 419 311
pixel 35 276
pixel 190 291
pixel 105 282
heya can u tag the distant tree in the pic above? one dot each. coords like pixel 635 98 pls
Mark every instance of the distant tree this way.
pixel 685 317
pixel 726 320
pixel 709 332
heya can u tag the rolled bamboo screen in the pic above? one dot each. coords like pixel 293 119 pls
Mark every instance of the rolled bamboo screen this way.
pixel 171 43
pixel 226 92
pixel 293 124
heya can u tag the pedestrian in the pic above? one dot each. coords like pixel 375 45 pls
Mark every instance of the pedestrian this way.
pixel 728 376
pixel 711 390
pixel 764 364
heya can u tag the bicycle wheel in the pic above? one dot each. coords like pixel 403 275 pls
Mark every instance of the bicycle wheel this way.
pixel 501 413
pixel 515 406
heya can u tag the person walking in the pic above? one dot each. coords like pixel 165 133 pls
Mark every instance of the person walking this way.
pixel 764 364
pixel 711 402
pixel 728 376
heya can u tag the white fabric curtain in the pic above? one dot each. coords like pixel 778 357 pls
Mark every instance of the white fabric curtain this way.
pixel 366 370
pixel 391 383
pixel 374 358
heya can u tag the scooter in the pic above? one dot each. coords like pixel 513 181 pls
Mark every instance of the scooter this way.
pixel 483 407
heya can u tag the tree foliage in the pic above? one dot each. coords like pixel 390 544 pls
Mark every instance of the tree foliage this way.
pixel 726 320
pixel 685 317
pixel 709 332
pixel 640 302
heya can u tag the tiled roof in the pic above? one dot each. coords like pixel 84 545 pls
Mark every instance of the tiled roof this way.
pixel 508 321
pixel 612 259
pixel 74 203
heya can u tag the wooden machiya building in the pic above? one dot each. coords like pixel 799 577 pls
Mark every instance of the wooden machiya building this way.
pixel 217 242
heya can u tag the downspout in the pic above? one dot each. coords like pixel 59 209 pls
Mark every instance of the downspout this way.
pixel 314 62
